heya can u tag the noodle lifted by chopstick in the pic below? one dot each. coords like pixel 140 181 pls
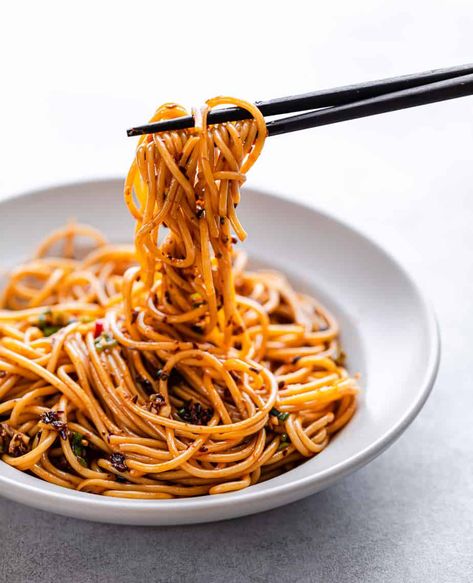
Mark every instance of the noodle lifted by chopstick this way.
pixel 167 369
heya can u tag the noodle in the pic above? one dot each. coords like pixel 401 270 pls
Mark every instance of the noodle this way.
pixel 167 369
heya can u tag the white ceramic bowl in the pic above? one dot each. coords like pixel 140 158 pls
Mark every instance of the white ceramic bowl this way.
pixel 388 331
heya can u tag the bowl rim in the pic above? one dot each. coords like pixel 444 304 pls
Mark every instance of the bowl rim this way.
pixel 296 487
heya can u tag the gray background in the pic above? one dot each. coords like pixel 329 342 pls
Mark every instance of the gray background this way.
pixel 405 178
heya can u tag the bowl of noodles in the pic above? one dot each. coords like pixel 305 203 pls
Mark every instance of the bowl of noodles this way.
pixel 160 366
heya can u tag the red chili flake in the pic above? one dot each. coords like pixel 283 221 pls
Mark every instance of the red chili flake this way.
pixel 155 403
pixel 281 384
pixel 98 328
pixel 6 433
pixel 194 413
pixel 18 445
pixel 52 418
pixel 118 461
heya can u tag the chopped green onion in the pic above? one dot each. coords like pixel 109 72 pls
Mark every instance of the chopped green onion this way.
pixel 49 323
pixel 50 330
pixel 197 300
pixel 279 414
pixel 285 441
pixel 44 318
pixel 78 448
pixel 104 342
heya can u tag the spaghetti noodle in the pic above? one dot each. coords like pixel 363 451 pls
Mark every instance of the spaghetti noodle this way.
pixel 167 369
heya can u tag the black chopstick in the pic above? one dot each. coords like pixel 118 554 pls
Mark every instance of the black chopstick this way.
pixel 317 99
pixel 413 97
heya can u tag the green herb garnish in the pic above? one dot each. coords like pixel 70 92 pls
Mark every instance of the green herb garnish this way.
pixel 49 323
pixel 285 442
pixel 197 300
pixel 279 414
pixel 78 448
pixel 50 330
pixel 105 342
pixel 44 318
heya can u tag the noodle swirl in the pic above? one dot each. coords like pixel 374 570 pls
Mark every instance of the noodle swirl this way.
pixel 167 369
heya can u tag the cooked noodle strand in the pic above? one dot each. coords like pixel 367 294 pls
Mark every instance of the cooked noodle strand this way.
pixel 167 369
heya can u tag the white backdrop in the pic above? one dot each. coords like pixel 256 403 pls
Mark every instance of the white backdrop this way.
pixel 75 75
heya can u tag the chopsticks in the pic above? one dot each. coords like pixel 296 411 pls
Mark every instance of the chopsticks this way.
pixel 431 93
pixel 342 103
